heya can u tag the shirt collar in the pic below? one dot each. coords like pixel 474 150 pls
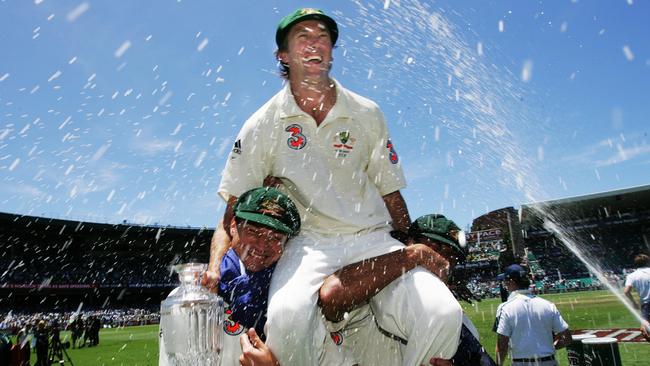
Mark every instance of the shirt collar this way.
pixel 289 108
pixel 516 293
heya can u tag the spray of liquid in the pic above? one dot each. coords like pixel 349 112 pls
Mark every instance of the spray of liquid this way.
pixel 469 98
pixel 592 264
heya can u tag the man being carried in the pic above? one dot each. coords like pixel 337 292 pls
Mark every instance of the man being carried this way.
pixel 332 152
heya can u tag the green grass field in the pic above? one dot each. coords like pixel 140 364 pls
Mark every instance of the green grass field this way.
pixel 584 310
pixel 118 346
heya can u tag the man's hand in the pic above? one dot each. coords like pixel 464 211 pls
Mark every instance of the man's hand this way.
pixel 210 280
pixel 254 351
pixel 645 330
pixel 428 258
pixel 271 181
pixel 563 339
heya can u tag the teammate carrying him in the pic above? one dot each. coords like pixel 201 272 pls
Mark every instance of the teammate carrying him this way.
pixel 435 243
pixel 264 219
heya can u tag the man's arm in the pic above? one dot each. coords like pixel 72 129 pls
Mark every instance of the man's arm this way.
pixel 502 349
pixel 562 339
pixel 628 292
pixel 398 212
pixel 356 283
pixel 219 245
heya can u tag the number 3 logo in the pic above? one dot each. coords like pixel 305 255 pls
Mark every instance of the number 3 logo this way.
pixel 297 140
pixel 230 326
pixel 392 154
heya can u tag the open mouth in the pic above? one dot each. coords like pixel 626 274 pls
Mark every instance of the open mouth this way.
pixel 315 59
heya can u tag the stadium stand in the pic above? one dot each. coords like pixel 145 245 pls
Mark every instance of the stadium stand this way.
pixel 109 318
pixel 59 264
pixel 610 227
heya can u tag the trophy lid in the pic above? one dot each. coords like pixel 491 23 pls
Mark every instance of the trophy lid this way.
pixel 190 273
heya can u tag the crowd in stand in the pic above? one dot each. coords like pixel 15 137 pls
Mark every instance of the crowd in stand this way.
pixel 135 272
pixel 489 287
pixel 554 267
pixel 132 271
pixel 108 318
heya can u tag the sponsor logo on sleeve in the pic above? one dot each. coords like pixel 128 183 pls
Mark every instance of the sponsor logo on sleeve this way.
pixel 392 154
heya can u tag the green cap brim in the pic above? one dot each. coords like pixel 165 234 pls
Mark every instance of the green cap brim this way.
pixel 266 221
pixel 442 239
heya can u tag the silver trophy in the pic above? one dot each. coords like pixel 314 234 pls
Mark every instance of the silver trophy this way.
pixel 191 321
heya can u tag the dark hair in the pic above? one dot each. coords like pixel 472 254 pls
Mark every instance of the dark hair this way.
pixel 641 260
pixel 521 279
pixel 284 68
pixel 523 282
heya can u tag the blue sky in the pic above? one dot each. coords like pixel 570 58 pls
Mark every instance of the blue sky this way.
pixel 126 110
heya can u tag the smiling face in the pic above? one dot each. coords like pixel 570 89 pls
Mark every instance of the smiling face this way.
pixel 309 50
pixel 257 246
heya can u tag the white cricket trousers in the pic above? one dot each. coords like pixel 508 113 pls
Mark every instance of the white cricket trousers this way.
pixel 417 307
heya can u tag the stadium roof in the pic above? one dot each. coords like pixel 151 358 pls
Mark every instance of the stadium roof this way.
pixel 17 219
pixel 98 238
pixel 620 200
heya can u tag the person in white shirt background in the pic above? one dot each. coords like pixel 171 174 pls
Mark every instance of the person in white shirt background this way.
pixel 531 327
pixel 640 281
pixel 331 150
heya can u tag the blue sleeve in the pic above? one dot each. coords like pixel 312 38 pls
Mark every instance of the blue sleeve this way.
pixel 246 294
pixel 230 271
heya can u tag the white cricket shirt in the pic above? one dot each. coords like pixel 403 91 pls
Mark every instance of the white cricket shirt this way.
pixel 530 322
pixel 336 173
pixel 640 280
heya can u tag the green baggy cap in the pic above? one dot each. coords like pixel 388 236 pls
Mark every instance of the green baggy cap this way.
pixel 442 230
pixel 269 207
pixel 305 14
